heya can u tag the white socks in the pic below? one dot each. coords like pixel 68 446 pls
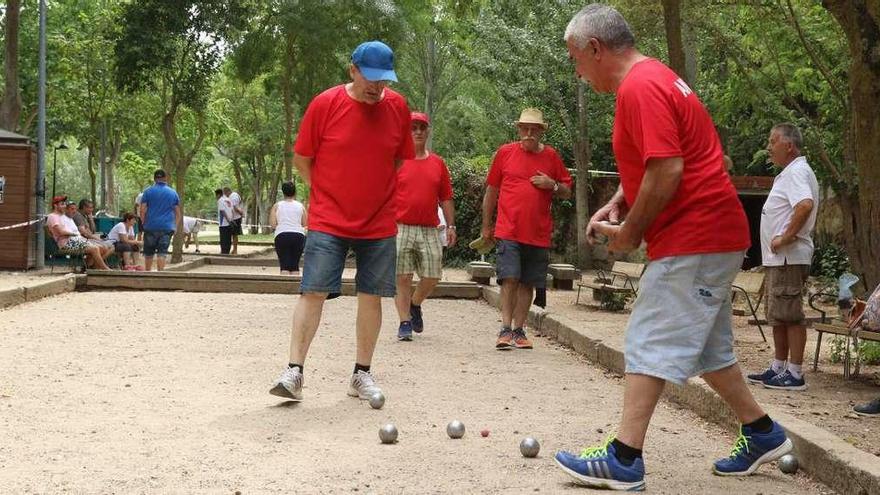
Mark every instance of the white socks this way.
pixel 795 370
pixel 777 366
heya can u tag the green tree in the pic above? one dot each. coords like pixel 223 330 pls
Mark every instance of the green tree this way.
pixel 174 48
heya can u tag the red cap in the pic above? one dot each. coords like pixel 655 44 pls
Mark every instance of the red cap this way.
pixel 58 199
pixel 420 117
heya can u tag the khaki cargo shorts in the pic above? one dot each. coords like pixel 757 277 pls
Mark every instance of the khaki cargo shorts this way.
pixel 784 289
pixel 419 251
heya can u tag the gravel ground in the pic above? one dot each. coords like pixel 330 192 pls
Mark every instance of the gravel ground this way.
pixel 149 392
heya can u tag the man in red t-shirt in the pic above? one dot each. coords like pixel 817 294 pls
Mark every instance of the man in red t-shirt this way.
pixel 676 195
pixel 351 141
pixel 524 178
pixel 422 184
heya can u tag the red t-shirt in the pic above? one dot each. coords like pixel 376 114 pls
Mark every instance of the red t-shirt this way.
pixel 421 185
pixel 659 116
pixel 523 209
pixel 354 146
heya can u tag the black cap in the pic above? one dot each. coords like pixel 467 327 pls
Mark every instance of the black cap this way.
pixel 159 174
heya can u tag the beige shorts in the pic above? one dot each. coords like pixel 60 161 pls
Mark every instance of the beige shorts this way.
pixel 784 289
pixel 419 251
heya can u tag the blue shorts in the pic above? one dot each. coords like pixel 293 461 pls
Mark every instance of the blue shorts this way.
pixel 324 260
pixel 156 242
pixel 680 325
pixel 523 262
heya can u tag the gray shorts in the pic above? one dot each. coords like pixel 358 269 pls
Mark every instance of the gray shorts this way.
pixel 523 262
pixel 680 325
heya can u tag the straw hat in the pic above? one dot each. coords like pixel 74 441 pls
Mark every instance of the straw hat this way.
pixel 532 116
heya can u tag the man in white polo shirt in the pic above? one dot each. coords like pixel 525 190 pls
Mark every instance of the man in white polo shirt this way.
pixel 787 222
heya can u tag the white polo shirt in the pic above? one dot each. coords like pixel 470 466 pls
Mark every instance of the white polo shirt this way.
pixel 794 184
pixel 235 201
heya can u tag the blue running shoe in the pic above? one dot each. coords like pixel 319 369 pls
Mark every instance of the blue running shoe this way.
pixel 404 333
pixel 753 449
pixel 416 313
pixel 597 467
pixel 759 378
pixel 785 381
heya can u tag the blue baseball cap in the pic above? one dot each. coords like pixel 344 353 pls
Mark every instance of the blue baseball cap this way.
pixel 375 60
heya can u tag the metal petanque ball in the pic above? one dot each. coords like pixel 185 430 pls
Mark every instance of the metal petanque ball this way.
pixel 788 464
pixel 388 433
pixel 377 400
pixel 529 447
pixel 455 429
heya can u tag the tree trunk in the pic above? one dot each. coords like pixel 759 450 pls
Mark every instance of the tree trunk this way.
pixel 93 174
pixel 674 43
pixel 430 81
pixel 10 107
pixel 286 98
pixel 179 160
pixel 582 158
pixel 112 161
pixel 861 205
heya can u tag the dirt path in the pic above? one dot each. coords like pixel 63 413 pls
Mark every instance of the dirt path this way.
pixel 167 392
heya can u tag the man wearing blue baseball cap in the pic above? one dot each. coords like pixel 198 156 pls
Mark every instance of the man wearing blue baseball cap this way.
pixel 351 141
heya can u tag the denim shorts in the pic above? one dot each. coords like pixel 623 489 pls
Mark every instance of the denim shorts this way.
pixel 680 325
pixel 324 260
pixel 156 242
pixel 524 262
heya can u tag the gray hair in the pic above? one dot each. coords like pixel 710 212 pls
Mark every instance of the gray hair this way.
pixel 790 133
pixel 603 23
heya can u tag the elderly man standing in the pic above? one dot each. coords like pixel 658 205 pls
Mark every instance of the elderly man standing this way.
pixel 160 214
pixel 524 178
pixel 422 184
pixel 351 141
pixel 787 222
pixel 677 196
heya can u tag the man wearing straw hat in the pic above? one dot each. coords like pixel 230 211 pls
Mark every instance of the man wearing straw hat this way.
pixel 524 178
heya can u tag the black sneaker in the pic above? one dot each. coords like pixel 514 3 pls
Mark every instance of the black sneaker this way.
pixel 416 313
pixel 404 332
pixel 759 378
pixel 871 409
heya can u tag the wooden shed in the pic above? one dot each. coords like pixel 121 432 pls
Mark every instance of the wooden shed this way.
pixel 18 171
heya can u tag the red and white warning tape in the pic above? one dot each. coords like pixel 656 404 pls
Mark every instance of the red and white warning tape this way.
pixel 22 224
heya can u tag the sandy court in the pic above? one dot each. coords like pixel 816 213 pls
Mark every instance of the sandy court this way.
pixel 215 249
pixel 12 280
pixel 148 392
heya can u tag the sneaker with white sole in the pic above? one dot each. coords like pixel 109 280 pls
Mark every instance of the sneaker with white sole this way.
pixel 289 385
pixel 786 381
pixel 363 386
pixel 753 449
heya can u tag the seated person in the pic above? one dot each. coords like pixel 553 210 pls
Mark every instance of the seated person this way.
pixel 84 218
pixel 68 238
pixel 191 228
pixel 125 242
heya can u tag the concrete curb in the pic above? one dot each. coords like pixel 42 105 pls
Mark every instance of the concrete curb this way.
pixel 822 454
pixel 33 292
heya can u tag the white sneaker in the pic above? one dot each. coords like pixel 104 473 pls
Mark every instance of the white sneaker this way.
pixel 363 386
pixel 289 385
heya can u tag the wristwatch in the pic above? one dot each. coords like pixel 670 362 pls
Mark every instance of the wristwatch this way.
pixel 555 186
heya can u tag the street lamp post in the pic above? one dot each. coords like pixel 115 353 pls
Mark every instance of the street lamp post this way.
pixel 61 146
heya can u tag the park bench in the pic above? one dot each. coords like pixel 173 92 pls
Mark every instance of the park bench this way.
pixel 850 336
pixel 623 278
pixel 480 272
pixel 563 275
pixel 751 286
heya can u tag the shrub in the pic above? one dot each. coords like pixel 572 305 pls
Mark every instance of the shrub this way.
pixel 830 261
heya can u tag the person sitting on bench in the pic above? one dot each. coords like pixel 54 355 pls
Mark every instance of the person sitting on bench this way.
pixel 68 238
pixel 125 242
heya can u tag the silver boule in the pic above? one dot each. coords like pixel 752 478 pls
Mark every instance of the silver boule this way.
pixel 529 447
pixel 377 400
pixel 455 429
pixel 388 433
pixel 788 464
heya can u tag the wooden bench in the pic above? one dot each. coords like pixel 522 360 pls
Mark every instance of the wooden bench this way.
pixel 480 272
pixel 751 286
pixel 563 275
pixel 623 278
pixel 853 335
